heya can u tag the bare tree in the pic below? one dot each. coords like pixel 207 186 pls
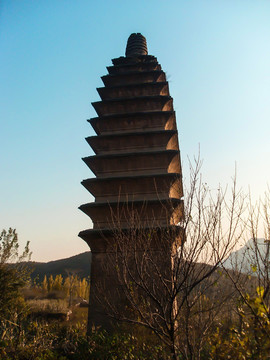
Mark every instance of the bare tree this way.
pixel 179 303
pixel 253 287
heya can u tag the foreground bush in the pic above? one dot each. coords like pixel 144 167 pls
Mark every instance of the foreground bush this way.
pixel 43 341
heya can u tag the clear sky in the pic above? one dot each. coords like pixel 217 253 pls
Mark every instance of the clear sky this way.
pixel 52 54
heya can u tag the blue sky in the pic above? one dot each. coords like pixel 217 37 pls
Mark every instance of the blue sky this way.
pixel 52 54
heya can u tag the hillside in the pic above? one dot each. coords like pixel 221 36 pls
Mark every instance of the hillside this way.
pixel 243 258
pixel 78 264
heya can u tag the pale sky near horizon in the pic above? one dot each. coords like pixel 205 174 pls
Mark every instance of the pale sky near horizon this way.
pixel 216 55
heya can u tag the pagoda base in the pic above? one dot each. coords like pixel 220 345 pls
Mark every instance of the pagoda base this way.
pixel 123 269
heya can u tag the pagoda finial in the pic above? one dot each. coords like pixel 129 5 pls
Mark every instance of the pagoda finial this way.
pixel 136 45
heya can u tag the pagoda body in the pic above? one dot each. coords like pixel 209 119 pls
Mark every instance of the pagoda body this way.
pixel 136 164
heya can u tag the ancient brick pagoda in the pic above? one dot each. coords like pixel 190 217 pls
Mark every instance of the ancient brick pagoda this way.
pixel 136 162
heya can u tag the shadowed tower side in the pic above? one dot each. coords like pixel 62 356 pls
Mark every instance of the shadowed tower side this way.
pixel 136 164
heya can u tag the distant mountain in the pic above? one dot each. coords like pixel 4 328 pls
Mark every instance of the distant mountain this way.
pixel 245 257
pixel 78 264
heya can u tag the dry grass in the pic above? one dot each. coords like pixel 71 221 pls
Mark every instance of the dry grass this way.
pixel 52 305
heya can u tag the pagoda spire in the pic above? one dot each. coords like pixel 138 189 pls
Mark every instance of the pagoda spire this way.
pixel 136 45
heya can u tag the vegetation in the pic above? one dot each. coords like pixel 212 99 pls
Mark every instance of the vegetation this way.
pixel 236 333
pixel 58 287
pixel 210 312
pixel 12 278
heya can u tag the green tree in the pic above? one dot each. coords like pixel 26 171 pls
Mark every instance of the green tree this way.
pixel 13 273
